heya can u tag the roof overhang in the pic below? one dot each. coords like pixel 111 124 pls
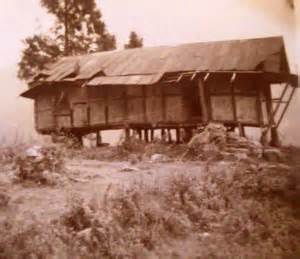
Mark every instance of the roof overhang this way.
pixel 150 79
pixel 126 80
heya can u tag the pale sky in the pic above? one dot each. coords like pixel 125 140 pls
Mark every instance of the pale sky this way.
pixel 159 22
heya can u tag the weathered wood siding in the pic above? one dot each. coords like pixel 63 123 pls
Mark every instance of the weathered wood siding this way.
pixel 135 104
pixel 97 105
pixel 116 104
pixel 154 102
pixel 236 101
pixel 44 111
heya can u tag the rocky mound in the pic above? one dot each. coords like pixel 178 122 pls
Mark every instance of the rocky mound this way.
pixel 216 143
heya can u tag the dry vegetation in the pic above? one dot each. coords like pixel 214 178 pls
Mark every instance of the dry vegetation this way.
pixel 245 208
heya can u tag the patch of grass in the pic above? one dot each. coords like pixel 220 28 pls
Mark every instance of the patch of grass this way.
pixel 246 210
pixel 43 168
pixel 241 211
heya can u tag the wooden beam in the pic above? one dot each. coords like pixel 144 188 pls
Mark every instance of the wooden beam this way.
pixel 139 132
pixel 163 100
pixel 126 111
pixel 146 131
pixel 274 134
pixel 233 102
pixel 242 130
pixel 286 107
pixel 98 138
pixel 206 77
pixel 127 134
pixel 144 103
pixel 203 100
pixel 178 138
pixel 163 135
pixel 106 106
pixel 152 135
pixel 179 78
pixel 233 77
pixel 170 136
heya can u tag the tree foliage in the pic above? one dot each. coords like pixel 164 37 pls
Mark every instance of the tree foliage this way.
pixel 134 41
pixel 78 29
pixel 39 51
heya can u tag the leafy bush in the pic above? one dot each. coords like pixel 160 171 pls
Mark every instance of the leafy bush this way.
pixel 231 210
pixel 242 211
pixel 49 160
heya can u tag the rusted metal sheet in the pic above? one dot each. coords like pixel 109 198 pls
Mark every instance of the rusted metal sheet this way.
pixel 125 80
pixel 146 66
pixel 221 55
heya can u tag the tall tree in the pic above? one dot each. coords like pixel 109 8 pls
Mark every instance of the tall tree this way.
pixel 134 41
pixel 78 29
pixel 39 51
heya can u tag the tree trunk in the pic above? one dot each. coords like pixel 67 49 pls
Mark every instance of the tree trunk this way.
pixel 66 50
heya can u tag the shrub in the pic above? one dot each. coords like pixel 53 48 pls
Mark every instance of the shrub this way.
pixel 242 211
pixel 40 168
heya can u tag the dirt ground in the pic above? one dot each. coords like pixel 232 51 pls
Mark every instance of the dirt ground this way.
pixel 223 206
pixel 90 178
pixel 86 178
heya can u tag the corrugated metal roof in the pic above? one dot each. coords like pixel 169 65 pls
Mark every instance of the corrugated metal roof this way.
pixel 125 80
pixel 222 55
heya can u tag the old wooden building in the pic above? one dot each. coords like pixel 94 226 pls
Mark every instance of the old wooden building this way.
pixel 178 87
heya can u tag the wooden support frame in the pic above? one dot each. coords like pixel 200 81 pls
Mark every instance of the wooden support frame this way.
pixel 274 133
pixel 144 103
pixel 98 138
pixel 163 135
pixel 178 136
pixel 286 107
pixel 233 100
pixel 146 134
pixel 170 136
pixel 203 100
pixel 163 100
pixel 151 134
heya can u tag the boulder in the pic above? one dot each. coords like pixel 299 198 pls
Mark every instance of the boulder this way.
pixel 159 158
pixel 273 155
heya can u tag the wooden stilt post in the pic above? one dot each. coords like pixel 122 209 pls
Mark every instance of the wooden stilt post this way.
pixel 98 138
pixel 242 130
pixel 127 134
pixel 169 136
pixel 274 134
pixel 275 142
pixel 139 132
pixel 146 135
pixel 203 101
pixel 79 138
pixel 188 134
pixel 163 135
pixel 178 139
pixel 152 135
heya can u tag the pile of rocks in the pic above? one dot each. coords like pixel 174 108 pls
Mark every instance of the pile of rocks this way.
pixel 216 143
pixel 40 164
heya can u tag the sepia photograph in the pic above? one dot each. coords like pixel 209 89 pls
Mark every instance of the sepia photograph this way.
pixel 142 129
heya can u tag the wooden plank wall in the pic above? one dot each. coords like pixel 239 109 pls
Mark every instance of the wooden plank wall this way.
pixel 114 105
pixel 234 101
pixel 44 111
